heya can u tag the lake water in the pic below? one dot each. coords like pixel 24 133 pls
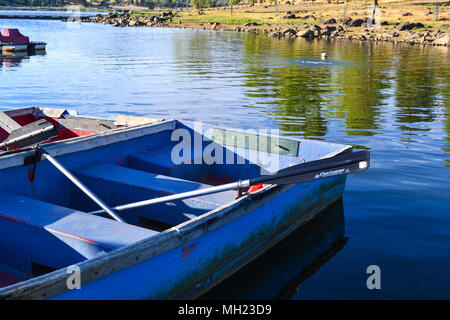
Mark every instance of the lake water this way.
pixel 392 100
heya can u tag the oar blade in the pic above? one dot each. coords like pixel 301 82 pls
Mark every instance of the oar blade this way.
pixel 36 132
pixel 319 169
pixel 320 174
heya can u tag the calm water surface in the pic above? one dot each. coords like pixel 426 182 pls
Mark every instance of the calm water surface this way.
pixel 393 100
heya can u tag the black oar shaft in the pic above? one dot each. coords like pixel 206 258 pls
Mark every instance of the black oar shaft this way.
pixel 324 167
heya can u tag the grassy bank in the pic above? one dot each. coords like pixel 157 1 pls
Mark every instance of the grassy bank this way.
pixel 318 12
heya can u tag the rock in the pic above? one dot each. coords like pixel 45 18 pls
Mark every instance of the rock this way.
pixel 345 21
pixel 309 17
pixel 442 41
pixel 334 34
pixel 250 24
pixel 276 34
pixel 326 33
pixel 410 26
pixel 356 23
pixel 290 16
pixel 306 34
pixel 330 29
pixel 407 14
pixel 167 14
pixel 289 32
pixel 330 21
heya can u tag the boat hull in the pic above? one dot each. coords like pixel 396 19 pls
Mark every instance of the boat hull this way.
pixel 183 261
pixel 188 271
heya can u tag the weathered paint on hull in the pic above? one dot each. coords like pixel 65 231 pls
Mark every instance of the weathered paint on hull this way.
pixel 190 270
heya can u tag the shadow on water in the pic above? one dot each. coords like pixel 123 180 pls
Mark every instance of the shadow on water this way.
pixel 279 273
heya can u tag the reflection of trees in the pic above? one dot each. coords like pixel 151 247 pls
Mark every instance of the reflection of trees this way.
pixel 193 53
pixel 359 88
pixel 416 89
pixel 298 93
pixel 294 90
pixel 302 93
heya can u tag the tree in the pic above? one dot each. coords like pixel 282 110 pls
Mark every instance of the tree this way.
pixel 199 4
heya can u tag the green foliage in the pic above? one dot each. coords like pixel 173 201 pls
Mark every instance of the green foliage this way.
pixel 199 4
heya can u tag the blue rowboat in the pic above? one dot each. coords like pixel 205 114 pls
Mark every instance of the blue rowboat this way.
pixel 51 247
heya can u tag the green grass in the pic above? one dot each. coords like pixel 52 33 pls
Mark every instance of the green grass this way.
pixel 230 20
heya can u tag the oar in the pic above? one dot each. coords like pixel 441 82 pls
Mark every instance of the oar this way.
pixel 309 171
pixel 37 132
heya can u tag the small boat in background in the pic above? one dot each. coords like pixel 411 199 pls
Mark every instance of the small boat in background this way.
pixel 177 229
pixel 11 40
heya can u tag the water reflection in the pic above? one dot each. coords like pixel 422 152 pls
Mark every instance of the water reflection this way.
pixel 364 85
pixel 279 273
pixel 12 60
pixel 297 90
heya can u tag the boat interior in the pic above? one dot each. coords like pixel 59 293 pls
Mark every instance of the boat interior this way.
pixel 44 220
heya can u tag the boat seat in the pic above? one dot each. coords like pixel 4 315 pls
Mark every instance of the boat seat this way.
pixel 119 185
pixel 37 235
pixel 160 161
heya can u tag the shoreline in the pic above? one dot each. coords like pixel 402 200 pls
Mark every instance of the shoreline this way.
pixel 349 29
pixel 414 23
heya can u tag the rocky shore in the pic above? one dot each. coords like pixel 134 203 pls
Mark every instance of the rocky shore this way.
pixel 351 29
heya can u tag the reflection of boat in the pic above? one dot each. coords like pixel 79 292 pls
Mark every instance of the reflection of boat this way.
pixel 12 59
pixel 11 40
pixel 278 273
pixel 176 249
